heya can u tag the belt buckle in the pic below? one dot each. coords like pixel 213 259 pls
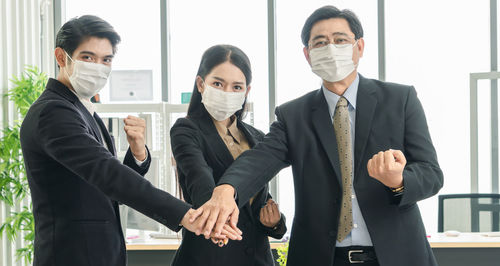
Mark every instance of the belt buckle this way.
pixel 350 258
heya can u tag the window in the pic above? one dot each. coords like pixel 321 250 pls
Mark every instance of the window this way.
pixel 239 23
pixel 430 47
pixel 139 28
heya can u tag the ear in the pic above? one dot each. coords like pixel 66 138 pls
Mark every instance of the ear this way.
pixel 248 90
pixel 361 47
pixel 306 54
pixel 199 84
pixel 60 56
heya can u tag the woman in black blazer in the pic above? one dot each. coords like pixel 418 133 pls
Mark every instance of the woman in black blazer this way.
pixel 204 144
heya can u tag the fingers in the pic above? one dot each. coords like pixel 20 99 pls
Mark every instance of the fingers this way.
pixel 230 233
pixel 369 166
pixel 380 160
pixel 274 208
pixel 388 158
pixel 211 221
pixel 134 121
pixel 195 214
pixel 233 221
pixel 264 216
pixel 201 220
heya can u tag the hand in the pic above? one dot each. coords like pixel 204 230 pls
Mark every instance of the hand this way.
pixel 270 214
pixel 223 241
pixel 227 231
pixel 135 128
pixel 387 167
pixel 217 211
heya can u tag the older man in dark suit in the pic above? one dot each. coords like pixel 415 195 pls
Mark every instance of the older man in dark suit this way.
pixel 361 156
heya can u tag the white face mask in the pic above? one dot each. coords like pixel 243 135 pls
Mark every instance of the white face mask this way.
pixel 88 78
pixel 332 62
pixel 221 104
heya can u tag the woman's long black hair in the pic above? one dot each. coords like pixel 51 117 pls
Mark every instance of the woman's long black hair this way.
pixel 213 57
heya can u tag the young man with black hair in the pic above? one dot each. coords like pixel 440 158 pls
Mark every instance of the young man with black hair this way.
pixel 361 156
pixel 75 179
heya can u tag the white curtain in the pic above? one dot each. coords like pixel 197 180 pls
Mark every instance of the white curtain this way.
pixel 27 38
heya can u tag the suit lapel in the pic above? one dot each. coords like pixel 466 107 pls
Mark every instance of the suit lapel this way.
pixel 365 109
pixel 215 141
pixel 323 125
pixel 256 205
pixel 105 133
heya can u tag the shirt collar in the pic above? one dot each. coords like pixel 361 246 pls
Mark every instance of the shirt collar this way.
pixel 350 94
pixel 231 130
pixel 86 102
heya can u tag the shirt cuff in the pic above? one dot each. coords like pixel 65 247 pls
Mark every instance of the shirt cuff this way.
pixel 139 163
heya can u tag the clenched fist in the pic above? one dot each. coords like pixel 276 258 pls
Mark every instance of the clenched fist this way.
pixel 270 214
pixel 135 128
pixel 387 167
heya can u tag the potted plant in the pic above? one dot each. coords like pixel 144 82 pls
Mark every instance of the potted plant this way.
pixel 13 181
pixel 282 253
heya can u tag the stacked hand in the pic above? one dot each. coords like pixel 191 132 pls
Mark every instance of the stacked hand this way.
pixel 192 220
pixel 387 167
pixel 218 214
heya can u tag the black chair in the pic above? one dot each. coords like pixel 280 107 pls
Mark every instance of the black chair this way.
pixel 469 212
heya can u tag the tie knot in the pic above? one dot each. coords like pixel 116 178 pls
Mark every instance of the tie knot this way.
pixel 342 102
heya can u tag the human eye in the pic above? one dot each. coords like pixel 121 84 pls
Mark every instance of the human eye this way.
pixel 217 84
pixel 320 43
pixel 87 58
pixel 341 41
pixel 237 88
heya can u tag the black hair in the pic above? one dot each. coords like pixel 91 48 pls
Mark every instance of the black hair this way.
pixel 328 12
pixel 80 29
pixel 213 57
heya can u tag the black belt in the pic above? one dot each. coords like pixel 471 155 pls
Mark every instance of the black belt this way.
pixel 356 254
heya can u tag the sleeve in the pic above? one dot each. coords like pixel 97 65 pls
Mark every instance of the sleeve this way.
pixel 255 167
pixel 198 176
pixel 131 162
pixel 65 138
pixel 422 176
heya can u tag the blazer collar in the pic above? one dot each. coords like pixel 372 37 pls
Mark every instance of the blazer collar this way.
pixel 366 103
pixel 323 124
pixel 61 89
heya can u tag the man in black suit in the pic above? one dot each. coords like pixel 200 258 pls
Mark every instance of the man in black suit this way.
pixel 361 156
pixel 75 179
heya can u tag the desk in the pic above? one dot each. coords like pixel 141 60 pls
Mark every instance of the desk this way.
pixel 468 249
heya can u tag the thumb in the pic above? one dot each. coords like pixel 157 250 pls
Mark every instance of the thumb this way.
pixel 399 156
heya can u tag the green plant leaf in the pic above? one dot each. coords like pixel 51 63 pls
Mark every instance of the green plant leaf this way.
pixel 26 88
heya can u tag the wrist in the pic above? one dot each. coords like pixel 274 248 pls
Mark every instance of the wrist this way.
pixel 140 156
pixel 225 189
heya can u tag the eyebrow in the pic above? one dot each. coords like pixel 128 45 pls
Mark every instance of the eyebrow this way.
pixel 221 79
pixel 93 54
pixel 335 33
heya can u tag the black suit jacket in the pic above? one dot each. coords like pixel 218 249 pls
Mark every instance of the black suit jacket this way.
pixel 76 182
pixel 388 116
pixel 202 157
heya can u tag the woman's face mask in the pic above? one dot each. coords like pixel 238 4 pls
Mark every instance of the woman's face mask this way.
pixel 222 104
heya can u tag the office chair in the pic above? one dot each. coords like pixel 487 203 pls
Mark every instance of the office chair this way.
pixel 469 212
